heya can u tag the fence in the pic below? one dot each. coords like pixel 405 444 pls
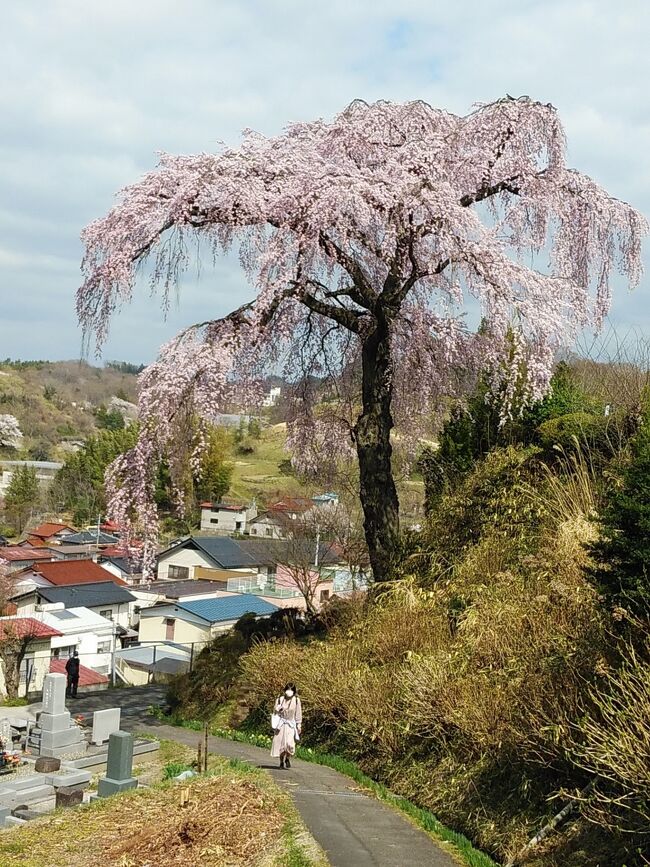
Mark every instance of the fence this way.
pixel 137 664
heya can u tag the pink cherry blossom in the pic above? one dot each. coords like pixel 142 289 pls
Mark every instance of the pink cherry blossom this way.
pixel 364 240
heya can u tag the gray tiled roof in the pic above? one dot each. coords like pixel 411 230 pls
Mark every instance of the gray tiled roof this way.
pixel 87 595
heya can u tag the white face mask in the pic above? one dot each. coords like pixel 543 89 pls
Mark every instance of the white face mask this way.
pixel 288 693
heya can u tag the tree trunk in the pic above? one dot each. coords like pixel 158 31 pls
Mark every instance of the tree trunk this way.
pixel 11 662
pixel 372 437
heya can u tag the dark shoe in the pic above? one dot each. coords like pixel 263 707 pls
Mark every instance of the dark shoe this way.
pixel 287 763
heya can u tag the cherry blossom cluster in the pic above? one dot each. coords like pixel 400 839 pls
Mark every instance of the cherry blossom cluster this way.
pixel 10 433
pixel 401 211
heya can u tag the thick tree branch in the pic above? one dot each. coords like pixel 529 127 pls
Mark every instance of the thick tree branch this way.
pixel 510 185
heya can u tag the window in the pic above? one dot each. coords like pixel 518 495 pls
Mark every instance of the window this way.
pixel 169 628
pixel 324 595
pixel 238 525
pixel 103 647
pixel 214 520
pixel 269 531
pixel 178 572
pixel 63 651
pixel 107 613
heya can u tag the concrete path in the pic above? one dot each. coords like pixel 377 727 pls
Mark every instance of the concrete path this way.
pixel 354 830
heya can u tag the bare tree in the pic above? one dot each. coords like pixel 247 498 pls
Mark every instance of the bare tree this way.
pixel 15 637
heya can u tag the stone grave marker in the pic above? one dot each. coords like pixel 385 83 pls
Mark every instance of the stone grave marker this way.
pixel 54 733
pixel 105 722
pixel 47 764
pixel 5 733
pixel 119 767
pixel 54 693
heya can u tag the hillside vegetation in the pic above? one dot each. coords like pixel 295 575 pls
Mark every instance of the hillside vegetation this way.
pixel 55 400
pixel 506 671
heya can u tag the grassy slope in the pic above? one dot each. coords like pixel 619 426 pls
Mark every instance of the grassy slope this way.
pixel 257 476
pixel 235 816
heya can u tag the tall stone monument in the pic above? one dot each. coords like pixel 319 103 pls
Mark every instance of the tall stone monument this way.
pixel 54 733
pixel 119 767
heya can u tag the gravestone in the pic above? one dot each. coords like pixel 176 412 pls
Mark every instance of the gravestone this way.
pixel 105 722
pixel 119 767
pixel 69 796
pixel 54 733
pixel 5 733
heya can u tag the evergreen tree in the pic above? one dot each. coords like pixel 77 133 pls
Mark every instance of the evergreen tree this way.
pixel 476 428
pixel 79 484
pixel 22 496
pixel 216 472
pixel 111 419
pixel 623 551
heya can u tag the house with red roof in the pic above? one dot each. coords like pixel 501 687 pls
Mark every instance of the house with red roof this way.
pixel 50 533
pixel 36 660
pixel 16 557
pixel 89 679
pixel 59 573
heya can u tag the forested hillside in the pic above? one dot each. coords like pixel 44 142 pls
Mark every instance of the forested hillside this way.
pixel 57 401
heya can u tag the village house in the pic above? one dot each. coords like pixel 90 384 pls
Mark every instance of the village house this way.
pixel 91 537
pixel 50 533
pixel 66 551
pixel 152 663
pixel 276 521
pixel 93 636
pixel 196 622
pixel 60 573
pixel 107 599
pixel 226 519
pixel 36 662
pixel 127 570
pixel 16 557
pixel 220 552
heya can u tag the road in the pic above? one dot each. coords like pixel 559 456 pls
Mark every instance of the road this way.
pixel 354 829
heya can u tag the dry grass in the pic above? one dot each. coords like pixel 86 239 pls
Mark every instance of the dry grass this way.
pixel 234 818
pixel 460 690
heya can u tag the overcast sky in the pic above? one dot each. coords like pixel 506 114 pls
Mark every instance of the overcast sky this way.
pixel 90 92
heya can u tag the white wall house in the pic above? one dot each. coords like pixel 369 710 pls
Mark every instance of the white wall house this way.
pixel 36 663
pixel 225 519
pixel 108 600
pixel 205 552
pixel 92 635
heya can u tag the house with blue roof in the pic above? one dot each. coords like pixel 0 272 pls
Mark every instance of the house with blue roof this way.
pixel 197 621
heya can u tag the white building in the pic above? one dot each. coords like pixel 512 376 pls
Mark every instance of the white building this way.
pixel 272 397
pixel 226 519
pixel 93 636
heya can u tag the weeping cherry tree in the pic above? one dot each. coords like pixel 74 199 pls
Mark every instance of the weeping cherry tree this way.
pixel 367 239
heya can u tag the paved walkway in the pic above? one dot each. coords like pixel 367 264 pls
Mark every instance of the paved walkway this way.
pixel 354 830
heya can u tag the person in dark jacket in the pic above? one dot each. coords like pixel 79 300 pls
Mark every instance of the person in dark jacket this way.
pixel 72 669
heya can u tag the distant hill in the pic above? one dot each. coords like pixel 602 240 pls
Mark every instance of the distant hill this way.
pixel 55 401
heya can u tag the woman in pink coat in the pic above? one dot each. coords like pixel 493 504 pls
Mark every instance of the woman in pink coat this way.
pixel 287 723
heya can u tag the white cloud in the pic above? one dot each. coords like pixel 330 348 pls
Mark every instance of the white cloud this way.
pixel 91 92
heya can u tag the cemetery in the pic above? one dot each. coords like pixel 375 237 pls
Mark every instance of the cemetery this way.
pixel 50 761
